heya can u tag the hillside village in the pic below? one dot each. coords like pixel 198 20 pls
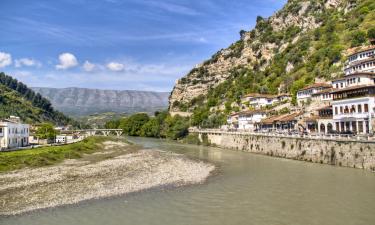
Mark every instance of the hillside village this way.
pixel 344 106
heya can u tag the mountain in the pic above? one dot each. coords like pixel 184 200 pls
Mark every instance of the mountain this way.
pixel 303 42
pixel 83 101
pixel 19 100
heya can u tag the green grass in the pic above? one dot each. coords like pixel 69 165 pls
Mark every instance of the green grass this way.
pixel 49 155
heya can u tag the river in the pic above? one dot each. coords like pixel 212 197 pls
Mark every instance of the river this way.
pixel 247 189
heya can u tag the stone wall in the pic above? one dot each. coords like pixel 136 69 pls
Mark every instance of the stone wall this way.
pixel 355 154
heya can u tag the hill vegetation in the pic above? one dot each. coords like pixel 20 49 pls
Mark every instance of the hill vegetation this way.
pixel 19 100
pixel 304 41
pixel 161 125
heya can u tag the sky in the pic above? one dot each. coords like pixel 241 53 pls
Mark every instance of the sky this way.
pixel 118 44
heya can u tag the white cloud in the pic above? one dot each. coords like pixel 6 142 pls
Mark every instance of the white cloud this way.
pixel 88 67
pixel 5 59
pixel 26 62
pixel 115 66
pixel 67 60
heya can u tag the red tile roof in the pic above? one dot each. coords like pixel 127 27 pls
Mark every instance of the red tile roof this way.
pixel 316 85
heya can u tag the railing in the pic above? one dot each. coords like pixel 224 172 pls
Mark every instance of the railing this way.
pixel 312 136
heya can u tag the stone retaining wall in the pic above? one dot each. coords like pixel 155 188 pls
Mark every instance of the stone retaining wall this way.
pixel 356 154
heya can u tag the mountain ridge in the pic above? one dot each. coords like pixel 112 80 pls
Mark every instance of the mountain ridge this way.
pixel 77 101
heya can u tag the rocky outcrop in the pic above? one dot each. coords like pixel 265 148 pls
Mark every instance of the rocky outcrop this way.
pixel 255 49
pixel 83 101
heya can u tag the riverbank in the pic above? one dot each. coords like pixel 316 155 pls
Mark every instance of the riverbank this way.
pixel 345 153
pixel 113 168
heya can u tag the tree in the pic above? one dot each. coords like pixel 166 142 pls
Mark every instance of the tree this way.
pixel 358 38
pixel 133 124
pixel 46 131
pixel 242 33
pixel 151 128
pixel 371 33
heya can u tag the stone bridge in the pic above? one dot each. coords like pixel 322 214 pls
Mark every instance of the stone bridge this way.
pixel 93 132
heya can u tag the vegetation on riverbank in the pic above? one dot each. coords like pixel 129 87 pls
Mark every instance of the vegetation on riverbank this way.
pixel 162 125
pixel 46 156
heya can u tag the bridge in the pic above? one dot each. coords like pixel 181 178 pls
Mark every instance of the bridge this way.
pixel 93 132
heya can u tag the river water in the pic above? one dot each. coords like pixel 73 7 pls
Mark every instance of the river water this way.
pixel 247 189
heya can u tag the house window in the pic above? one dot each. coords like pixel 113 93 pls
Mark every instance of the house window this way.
pixel 336 111
pixel 359 79
pixel 360 108
pixel 341 110
pixel 337 126
pixel 360 127
pixel 1 130
pixel 366 107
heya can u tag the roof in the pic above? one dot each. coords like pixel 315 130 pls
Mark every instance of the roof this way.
pixel 357 50
pixel 257 95
pixel 325 107
pixel 252 112
pixel 352 88
pixel 366 74
pixel 328 90
pixel 372 58
pixel 281 118
pixel 316 85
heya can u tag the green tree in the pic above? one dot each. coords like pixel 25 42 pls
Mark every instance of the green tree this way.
pixel 132 125
pixel 371 33
pixel 151 128
pixel 46 131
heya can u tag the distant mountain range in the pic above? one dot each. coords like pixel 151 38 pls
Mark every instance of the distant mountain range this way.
pixel 83 101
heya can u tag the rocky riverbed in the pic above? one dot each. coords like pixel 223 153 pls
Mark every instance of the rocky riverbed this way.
pixel 116 170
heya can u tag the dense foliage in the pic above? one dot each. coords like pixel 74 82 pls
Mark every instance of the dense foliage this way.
pixel 19 100
pixel 46 131
pixel 161 125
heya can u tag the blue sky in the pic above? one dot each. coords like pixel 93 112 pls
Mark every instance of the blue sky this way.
pixel 118 44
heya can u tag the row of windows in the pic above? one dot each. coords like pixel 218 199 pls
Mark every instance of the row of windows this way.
pixel 363 66
pixel 362 55
pixel 356 127
pixel 353 109
pixel 15 131
pixel 15 140
pixel 327 96
pixel 349 81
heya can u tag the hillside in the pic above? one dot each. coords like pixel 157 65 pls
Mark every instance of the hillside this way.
pixel 304 41
pixel 83 101
pixel 19 100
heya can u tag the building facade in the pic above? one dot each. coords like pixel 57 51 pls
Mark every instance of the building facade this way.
pixel 13 133
pixel 304 95
pixel 247 120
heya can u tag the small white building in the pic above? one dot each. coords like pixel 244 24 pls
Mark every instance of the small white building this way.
pixel 64 139
pixel 259 101
pixel 13 133
pixel 248 120
pixel 306 93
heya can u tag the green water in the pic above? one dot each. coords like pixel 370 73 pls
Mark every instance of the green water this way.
pixel 248 189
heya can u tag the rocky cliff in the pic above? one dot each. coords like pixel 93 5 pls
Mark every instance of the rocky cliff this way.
pixel 302 41
pixel 82 101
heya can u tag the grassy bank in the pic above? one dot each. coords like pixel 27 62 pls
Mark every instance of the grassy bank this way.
pixel 49 155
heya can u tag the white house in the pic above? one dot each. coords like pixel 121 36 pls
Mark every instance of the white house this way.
pixel 247 120
pixel 259 101
pixel 353 109
pixel 361 61
pixel 13 133
pixel 306 93
pixel 354 79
